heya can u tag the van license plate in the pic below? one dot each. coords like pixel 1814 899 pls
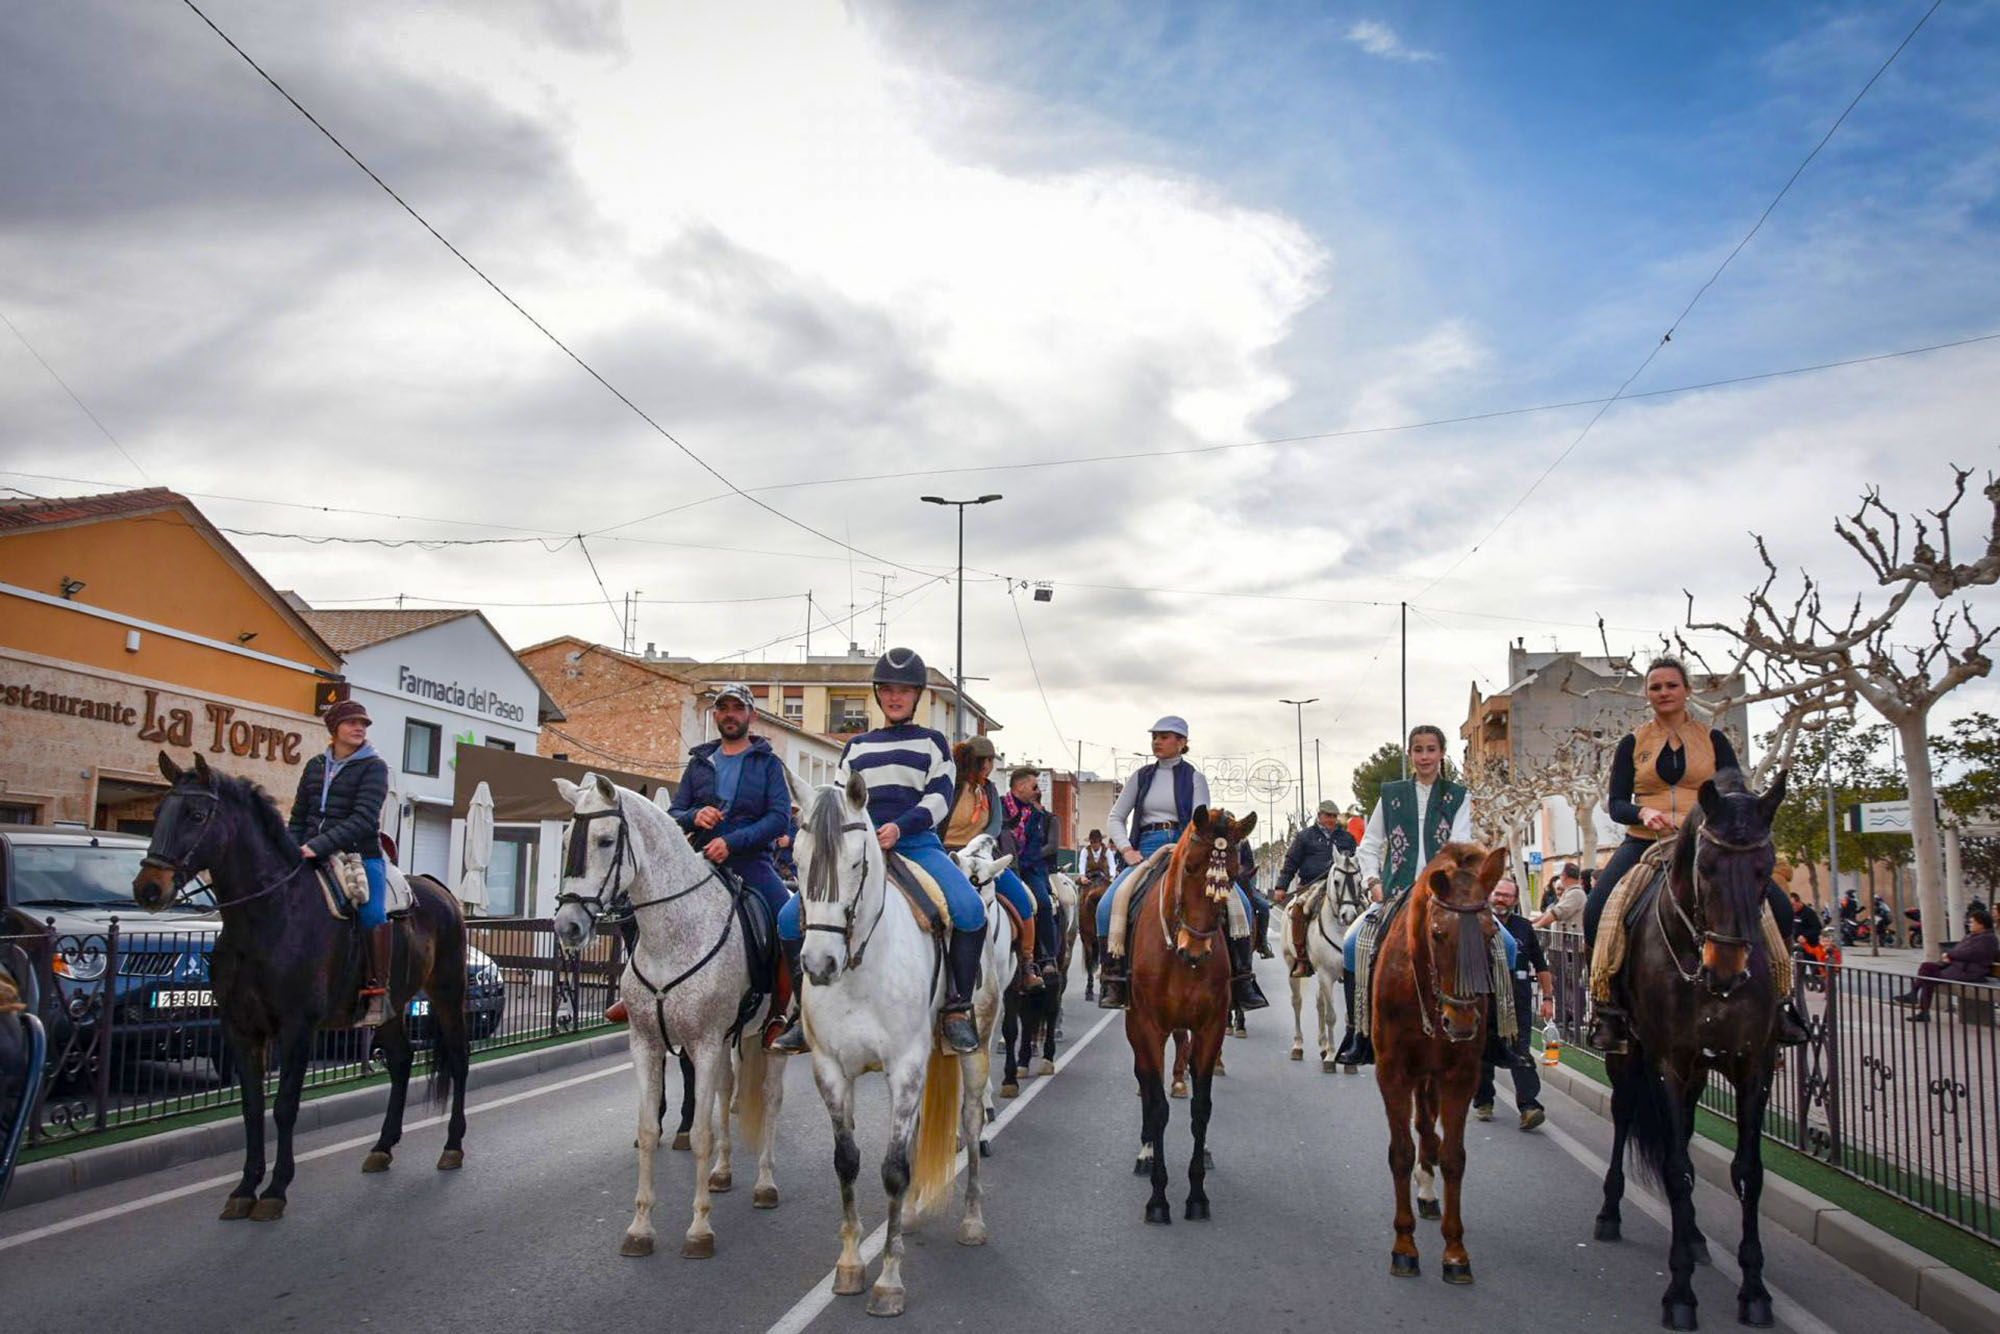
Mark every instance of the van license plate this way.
pixel 169 998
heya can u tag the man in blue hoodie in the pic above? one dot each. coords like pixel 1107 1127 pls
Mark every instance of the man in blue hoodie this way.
pixel 734 802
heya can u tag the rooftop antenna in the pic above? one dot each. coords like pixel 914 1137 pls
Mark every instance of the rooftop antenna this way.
pixel 883 579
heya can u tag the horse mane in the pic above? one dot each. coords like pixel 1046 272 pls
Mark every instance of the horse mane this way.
pixel 823 821
pixel 258 804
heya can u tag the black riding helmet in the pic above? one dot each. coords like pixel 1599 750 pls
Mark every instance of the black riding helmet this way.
pixel 901 667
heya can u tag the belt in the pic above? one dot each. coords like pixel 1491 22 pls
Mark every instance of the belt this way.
pixel 1158 828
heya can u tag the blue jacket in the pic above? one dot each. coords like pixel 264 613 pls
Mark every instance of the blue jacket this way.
pixel 761 811
pixel 1026 834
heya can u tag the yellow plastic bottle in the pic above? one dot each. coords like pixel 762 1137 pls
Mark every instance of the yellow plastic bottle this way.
pixel 1551 1046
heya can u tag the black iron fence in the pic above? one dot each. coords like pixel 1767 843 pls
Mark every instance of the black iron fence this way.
pixel 134 1036
pixel 1910 1107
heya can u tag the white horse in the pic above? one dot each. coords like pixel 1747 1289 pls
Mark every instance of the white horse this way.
pixel 982 863
pixel 1339 905
pixel 875 981
pixel 684 984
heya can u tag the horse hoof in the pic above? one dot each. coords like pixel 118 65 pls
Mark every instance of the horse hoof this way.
pixel 1327 1067
pixel 972 1232
pixel 1429 1209
pixel 636 1246
pixel 1679 1315
pixel 236 1207
pixel 1403 1266
pixel 1045 1066
pixel 985 1148
pixel 268 1210
pixel 1010 1090
pixel 1160 1212
pixel 1197 1211
pixel 885 1301
pixel 1350 1069
pixel 764 1197
pixel 849 1280
pixel 1460 1272
pixel 682 1141
pixel 720 1182
pixel 1219 1071
pixel 699 1248
pixel 1754 1311
pixel 1179 1090
pixel 1298 1053
pixel 451 1160
pixel 377 1161
pixel 1607 1230
pixel 1699 1248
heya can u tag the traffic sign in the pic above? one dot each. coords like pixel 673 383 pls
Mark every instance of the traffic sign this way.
pixel 1879 817
pixel 1534 859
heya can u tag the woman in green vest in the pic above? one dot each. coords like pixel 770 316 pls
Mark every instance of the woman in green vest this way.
pixel 1412 819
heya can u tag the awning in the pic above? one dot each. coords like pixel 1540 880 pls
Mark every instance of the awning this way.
pixel 523 786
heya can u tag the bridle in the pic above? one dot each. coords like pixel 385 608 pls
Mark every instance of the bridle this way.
pixel 855 952
pixel 186 868
pixel 1439 993
pixel 1217 883
pixel 611 905
pixel 1697 925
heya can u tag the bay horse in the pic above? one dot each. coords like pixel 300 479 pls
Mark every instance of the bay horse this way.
pixel 684 985
pixel 1700 996
pixel 284 967
pixel 1180 980
pixel 1089 891
pixel 1433 986
pixel 874 985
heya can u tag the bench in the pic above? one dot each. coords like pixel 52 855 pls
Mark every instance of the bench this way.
pixel 1976 1004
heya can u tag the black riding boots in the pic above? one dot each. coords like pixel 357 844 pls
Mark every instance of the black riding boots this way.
pixel 1244 993
pixel 1114 973
pixel 962 963
pixel 381 962
pixel 792 1041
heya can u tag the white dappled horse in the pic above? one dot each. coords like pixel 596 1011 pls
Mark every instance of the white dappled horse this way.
pixel 681 986
pixel 982 863
pixel 1339 906
pixel 875 981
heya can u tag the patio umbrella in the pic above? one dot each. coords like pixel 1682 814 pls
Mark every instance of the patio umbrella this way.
pixel 478 848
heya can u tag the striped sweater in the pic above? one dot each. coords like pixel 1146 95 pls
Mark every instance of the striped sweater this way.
pixel 909 774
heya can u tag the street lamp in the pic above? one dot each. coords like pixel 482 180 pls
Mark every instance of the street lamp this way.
pixel 958 660
pixel 1299 713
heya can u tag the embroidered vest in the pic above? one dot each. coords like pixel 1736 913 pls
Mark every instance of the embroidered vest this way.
pixel 1649 791
pixel 1183 795
pixel 1097 863
pixel 1406 848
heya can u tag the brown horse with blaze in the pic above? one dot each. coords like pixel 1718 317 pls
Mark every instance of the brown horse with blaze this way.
pixel 1180 980
pixel 1432 990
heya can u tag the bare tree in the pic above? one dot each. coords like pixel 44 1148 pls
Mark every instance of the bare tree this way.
pixel 1852 653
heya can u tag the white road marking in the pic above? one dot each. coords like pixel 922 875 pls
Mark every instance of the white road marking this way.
pixel 196 1188
pixel 820 1296
pixel 1784 1306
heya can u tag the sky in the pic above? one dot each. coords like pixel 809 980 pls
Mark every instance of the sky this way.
pixel 925 245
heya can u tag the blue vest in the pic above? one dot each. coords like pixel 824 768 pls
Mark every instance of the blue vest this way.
pixel 1183 795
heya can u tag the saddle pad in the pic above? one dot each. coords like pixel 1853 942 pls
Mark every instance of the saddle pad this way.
pixel 925 895
pixel 1633 898
pixel 398 895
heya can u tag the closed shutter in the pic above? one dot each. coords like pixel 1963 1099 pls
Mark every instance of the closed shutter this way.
pixel 430 853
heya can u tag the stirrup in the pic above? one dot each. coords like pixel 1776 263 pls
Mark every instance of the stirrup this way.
pixel 788 1040
pixel 1792 1031
pixel 1031 976
pixel 1608 1032
pixel 959 1034
pixel 377 1013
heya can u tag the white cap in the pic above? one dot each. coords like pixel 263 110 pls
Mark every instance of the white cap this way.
pixel 1172 723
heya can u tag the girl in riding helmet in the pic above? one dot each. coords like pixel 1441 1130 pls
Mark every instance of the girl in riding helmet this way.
pixel 338 808
pixel 976 810
pixel 910 779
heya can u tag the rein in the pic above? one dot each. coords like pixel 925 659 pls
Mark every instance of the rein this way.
pixel 855 953
pixel 186 870
pixel 1697 925
pixel 1177 868
pixel 1440 993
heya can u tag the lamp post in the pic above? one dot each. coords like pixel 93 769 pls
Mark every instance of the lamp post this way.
pixel 958 660
pixel 1299 713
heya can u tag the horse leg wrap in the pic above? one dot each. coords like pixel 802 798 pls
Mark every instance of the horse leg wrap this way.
pixel 1508 1022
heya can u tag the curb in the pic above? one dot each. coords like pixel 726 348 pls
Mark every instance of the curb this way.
pixel 53 1178
pixel 1954 1300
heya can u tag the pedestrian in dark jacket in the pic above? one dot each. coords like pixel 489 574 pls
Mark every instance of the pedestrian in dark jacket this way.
pixel 338 808
pixel 1530 966
pixel 1970 960
pixel 1313 850
pixel 1025 829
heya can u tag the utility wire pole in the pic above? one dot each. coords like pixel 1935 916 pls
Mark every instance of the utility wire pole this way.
pixel 958 661
pixel 1299 713
pixel 1405 737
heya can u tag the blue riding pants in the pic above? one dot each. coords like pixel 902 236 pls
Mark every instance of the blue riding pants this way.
pixel 755 870
pixel 967 912
pixel 376 910
pixel 1045 912
pixel 1010 887
pixel 1148 844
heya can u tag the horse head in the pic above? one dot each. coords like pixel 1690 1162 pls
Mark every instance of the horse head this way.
pixel 1204 866
pixel 1724 860
pixel 838 858
pixel 189 832
pixel 1344 896
pixel 1456 926
pixel 982 863
pixel 599 861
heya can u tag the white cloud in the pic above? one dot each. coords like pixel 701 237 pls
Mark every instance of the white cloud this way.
pixel 1379 39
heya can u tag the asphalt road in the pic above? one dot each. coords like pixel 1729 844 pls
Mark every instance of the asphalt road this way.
pixel 526 1236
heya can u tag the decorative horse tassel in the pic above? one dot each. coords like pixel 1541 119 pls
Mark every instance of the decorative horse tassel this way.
pixel 1475 973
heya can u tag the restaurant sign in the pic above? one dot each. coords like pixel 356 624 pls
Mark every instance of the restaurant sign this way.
pixel 217 727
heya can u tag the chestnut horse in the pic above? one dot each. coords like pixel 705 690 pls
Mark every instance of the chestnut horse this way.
pixel 1432 988
pixel 1180 980
pixel 1088 891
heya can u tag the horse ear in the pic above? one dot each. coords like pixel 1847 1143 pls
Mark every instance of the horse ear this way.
pixel 857 790
pixel 168 769
pixel 1711 800
pixel 1003 863
pixel 202 771
pixel 1245 825
pixel 603 787
pixel 1768 804
pixel 569 791
pixel 1200 820
pixel 1492 870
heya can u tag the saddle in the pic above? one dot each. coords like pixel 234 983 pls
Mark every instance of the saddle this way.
pixel 1307 901
pixel 759 930
pixel 343 884
pixel 1146 875
pixel 924 895
pixel 1636 895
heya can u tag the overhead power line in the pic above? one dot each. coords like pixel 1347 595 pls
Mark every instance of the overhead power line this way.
pixel 83 407
pixel 523 311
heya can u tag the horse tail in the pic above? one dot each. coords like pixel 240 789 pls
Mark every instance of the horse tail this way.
pixel 750 1086
pixel 1652 1124
pixel 451 1049
pixel 936 1160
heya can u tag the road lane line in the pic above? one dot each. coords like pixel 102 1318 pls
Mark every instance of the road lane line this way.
pixel 1785 1307
pixel 326 1151
pixel 820 1296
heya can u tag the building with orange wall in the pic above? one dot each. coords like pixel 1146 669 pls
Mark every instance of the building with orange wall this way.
pixel 129 625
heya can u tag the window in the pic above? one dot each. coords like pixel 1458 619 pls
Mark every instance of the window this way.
pixel 795 710
pixel 14 812
pixel 495 743
pixel 849 714
pixel 420 747
pixel 510 880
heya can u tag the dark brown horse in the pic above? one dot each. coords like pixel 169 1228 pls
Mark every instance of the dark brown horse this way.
pixel 284 967
pixel 1697 984
pixel 1432 987
pixel 1180 980
pixel 1089 891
